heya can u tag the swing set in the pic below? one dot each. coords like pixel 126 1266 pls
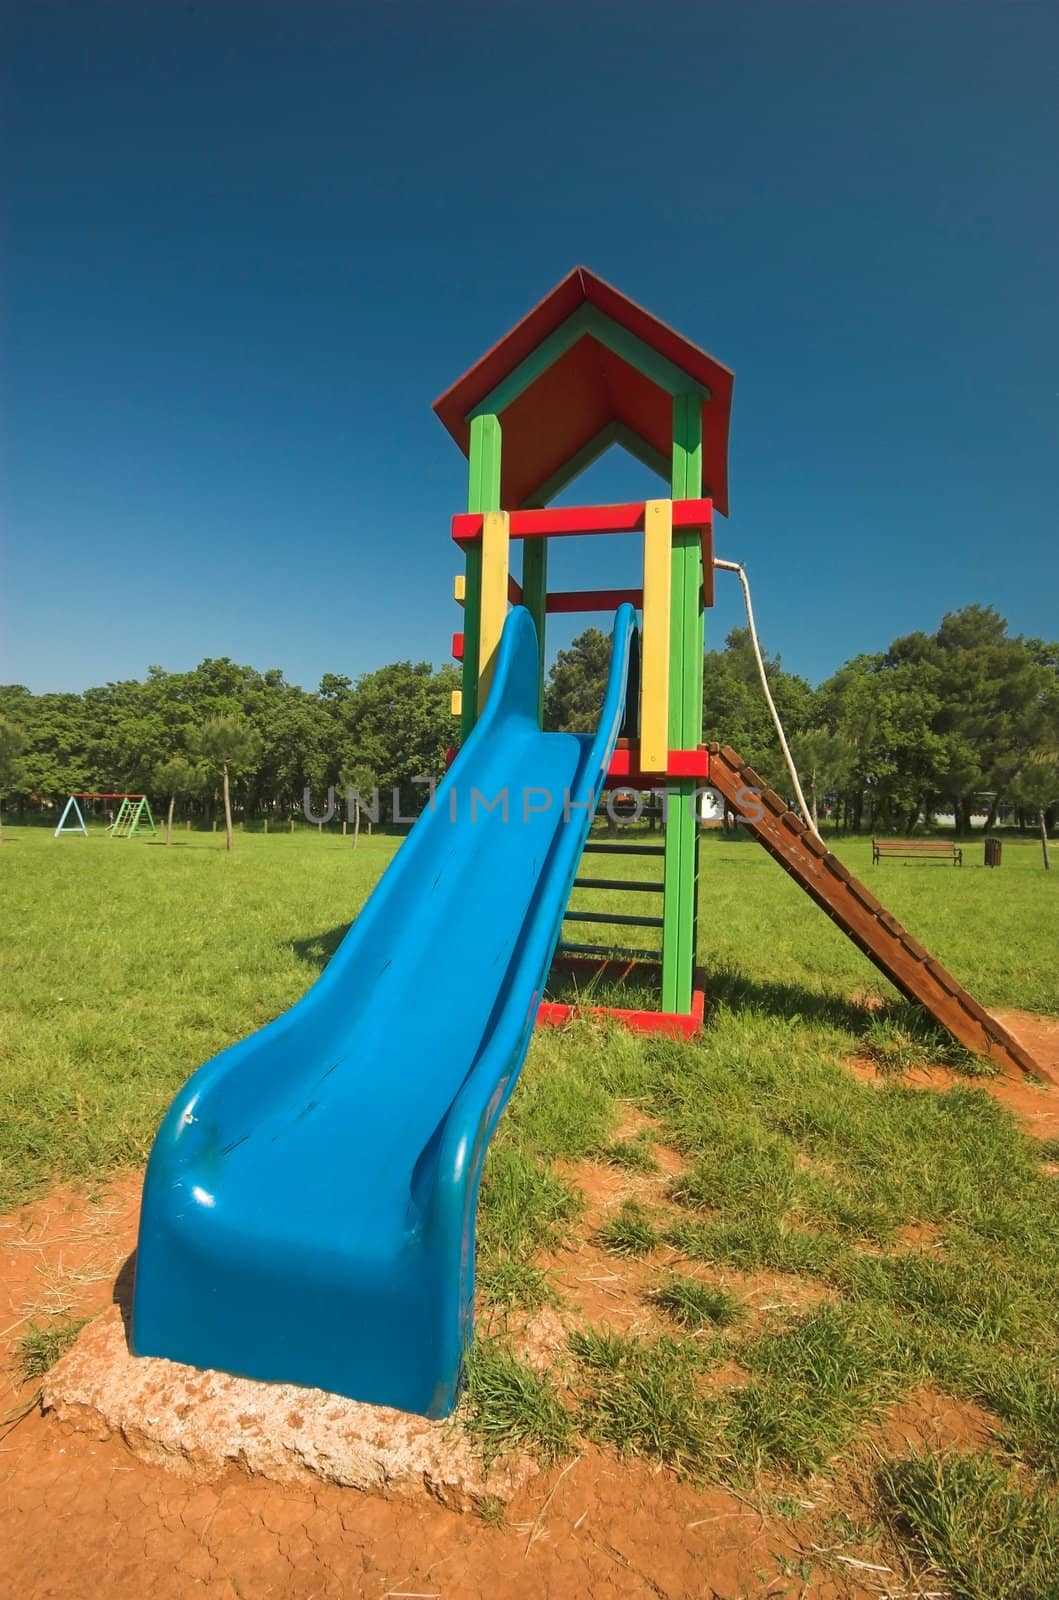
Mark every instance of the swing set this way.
pixel 134 814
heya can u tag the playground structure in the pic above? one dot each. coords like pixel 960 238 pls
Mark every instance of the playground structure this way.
pixel 78 825
pixel 585 370
pixel 309 1205
pixel 133 814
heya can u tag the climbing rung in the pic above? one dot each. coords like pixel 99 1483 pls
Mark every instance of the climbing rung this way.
pixel 619 919
pixel 625 849
pixel 637 885
pixel 608 951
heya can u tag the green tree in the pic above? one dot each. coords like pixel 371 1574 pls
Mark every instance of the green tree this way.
pixel 941 718
pixel 396 725
pixel 577 683
pixel 176 779
pixel 227 745
pixel 11 745
pixel 823 761
pixel 883 710
pixel 358 782
pixel 57 728
pixel 735 711
pixel 991 688
pixel 1036 788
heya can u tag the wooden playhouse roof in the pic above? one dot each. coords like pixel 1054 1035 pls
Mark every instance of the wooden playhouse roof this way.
pixel 586 368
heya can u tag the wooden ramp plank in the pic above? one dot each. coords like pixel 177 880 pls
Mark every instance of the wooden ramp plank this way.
pixel 854 909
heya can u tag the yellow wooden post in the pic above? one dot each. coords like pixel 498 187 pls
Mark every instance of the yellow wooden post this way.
pixel 654 641
pixel 496 537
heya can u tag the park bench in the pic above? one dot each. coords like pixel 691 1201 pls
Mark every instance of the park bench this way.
pixel 918 849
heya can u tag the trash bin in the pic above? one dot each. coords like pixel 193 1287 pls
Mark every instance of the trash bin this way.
pixel 992 852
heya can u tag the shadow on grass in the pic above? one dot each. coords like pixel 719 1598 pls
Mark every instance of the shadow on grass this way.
pixel 738 991
pixel 728 988
pixel 317 951
pixel 894 1033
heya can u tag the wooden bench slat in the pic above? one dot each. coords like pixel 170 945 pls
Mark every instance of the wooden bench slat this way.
pixel 917 849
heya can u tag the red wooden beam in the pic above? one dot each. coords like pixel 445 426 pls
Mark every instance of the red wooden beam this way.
pixel 457 647
pixel 625 768
pixel 671 1024
pixel 675 1024
pixel 565 522
pixel 593 600
pixel 514 589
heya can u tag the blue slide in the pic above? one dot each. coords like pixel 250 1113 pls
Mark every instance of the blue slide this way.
pixel 309 1205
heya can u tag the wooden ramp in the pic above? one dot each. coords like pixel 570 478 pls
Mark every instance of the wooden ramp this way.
pixel 909 967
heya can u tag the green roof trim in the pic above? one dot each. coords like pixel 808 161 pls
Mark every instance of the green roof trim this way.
pixel 615 433
pixel 588 320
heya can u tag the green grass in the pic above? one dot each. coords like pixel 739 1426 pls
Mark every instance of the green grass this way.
pixel 630 1232
pixel 633 1155
pixel 640 1397
pixel 794 1166
pixel 512 1408
pixel 126 965
pixel 694 1305
pixel 986 1532
pixel 904 1036
pixel 811 1385
pixel 506 1282
pixel 40 1347
pixel 763 941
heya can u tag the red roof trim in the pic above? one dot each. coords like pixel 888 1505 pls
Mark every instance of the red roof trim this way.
pixel 581 287
pixel 578 287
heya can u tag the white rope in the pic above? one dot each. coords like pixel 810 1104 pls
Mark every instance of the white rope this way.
pixel 735 566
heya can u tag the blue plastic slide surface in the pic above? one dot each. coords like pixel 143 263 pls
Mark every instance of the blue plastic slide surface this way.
pixel 309 1205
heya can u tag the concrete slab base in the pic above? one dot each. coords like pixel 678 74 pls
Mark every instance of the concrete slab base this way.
pixel 198 1423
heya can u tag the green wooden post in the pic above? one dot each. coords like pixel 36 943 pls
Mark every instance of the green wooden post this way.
pixel 534 598
pixel 680 911
pixel 483 494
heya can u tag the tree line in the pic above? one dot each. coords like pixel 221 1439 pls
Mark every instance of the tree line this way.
pixel 955 720
pixel 224 736
pixel 960 720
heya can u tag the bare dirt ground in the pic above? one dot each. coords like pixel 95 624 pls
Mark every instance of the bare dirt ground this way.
pixel 81 1516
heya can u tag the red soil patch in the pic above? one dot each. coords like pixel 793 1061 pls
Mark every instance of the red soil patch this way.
pixel 1038 1035
pixel 62 1256
pixel 594 1285
pixel 597 1528
pixel 763 1295
pixel 79 1515
pixel 928 1420
pixel 608 1291
pixel 634 1122
pixel 919 1236
pixel 614 1292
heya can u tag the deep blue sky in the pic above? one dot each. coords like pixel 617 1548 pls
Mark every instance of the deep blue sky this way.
pixel 246 245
